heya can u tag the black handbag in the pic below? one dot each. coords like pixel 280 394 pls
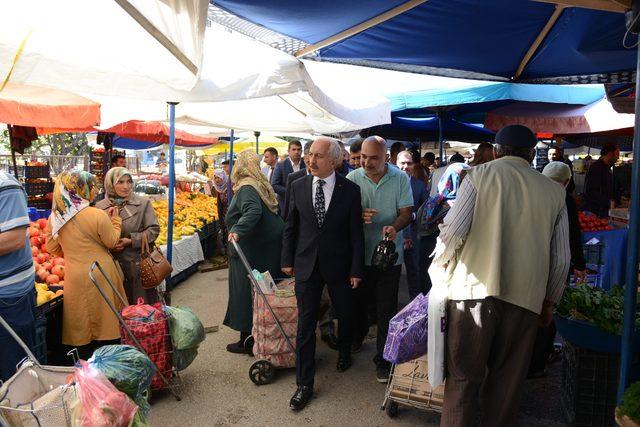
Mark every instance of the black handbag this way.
pixel 384 255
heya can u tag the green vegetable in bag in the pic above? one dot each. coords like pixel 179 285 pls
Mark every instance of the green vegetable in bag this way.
pixel 187 331
pixel 183 358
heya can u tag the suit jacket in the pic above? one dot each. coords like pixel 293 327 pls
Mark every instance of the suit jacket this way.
pixel 420 195
pixel 292 178
pixel 337 246
pixel 279 180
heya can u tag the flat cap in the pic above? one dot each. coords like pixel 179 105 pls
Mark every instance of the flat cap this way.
pixel 516 136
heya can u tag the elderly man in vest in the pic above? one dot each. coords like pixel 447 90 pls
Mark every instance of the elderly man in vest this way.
pixel 505 247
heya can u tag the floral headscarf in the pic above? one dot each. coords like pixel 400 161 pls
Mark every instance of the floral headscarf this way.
pixel 246 171
pixel 72 193
pixel 435 208
pixel 110 180
pixel 225 180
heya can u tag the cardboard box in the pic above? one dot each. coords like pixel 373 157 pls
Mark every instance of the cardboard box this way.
pixel 410 381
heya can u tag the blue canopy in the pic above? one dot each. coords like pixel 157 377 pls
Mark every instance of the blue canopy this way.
pixel 428 129
pixel 482 39
pixel 134 144
pixel 492 92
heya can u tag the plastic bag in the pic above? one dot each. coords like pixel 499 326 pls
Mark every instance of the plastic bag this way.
pixel 407 337
pixel 186 329
pixel 436 336
pixel 129 370
pixel 183 358
pixel 102 404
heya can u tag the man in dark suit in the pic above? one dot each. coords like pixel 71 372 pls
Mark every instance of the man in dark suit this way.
pixel 323 243
pixel 282 171
pixel 325 319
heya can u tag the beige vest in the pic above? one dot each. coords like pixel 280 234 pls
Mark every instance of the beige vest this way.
pixel 507 251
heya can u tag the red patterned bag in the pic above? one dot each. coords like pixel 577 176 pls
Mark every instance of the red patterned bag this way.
pixel 149 325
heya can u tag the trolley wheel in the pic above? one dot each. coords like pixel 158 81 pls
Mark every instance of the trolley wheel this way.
pixel 261 372
pixel 391 409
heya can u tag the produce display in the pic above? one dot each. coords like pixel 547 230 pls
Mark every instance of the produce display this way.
pixel 192 211
pixel 49 270
pixel 590 222
pixel 596 306
pixel 630 406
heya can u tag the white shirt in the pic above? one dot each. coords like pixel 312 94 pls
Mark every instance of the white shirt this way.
pixel 329 185
pixel 296 168
pixel 268 172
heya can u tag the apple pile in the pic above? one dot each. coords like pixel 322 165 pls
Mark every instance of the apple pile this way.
pixel 49 270
pixel 590 222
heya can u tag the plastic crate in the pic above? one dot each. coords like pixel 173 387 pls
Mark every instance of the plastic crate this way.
pixel 592 280
pixel 589 386
pixel 37 172
pixel 39 204
pixel 593 254
pixel 38 188
pixel 40 347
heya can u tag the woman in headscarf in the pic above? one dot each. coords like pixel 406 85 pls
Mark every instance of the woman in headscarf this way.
pixel 220 184
pixel 85 234
pixel 138 218
pixel 433 211
pixel 255 225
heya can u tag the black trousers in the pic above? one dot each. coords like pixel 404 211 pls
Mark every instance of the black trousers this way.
pixel 382 288
pixel 308 295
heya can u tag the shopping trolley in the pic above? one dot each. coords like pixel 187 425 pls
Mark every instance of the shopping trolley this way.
pixel 275 322
pixel 409 386
pixel 36 394
pixel 163 357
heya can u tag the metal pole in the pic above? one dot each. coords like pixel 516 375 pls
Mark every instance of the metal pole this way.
pixel 229 190
pixel 257 135
pixel 172 183
pixel 631 282
pixel 15 165
pixel 440 138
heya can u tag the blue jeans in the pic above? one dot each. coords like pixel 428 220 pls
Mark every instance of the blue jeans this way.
pixel 19 313
pixel 415 282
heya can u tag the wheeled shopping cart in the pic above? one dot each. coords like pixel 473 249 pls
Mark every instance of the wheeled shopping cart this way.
pixel 409 386
pixel 275 322
pixel 152 337
pixel 36 394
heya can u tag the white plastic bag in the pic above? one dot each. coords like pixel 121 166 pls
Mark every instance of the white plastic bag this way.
pixel 437 329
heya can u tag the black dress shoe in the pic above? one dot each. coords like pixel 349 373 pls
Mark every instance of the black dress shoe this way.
pixel 344 361
pixel 301 398
pixel 331 340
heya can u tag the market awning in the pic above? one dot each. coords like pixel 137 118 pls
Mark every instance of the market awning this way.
pixel 42 107
pixel 430 129
pixel 103 46
pixel 560 119
pixel 158 133
pixel 518 40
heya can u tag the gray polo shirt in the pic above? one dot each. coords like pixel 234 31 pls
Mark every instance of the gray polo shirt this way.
pixel 392 193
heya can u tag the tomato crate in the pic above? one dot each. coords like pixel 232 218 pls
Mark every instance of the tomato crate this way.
pixel 37 172
pixel 38 188
pixel 39 203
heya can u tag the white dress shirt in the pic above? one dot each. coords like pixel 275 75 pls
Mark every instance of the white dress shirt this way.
pixel 329 185
pixel 295 167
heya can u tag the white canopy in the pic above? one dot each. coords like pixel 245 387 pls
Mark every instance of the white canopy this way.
pixel 112 47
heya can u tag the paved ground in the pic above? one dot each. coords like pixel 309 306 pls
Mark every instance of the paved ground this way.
pixel 216 390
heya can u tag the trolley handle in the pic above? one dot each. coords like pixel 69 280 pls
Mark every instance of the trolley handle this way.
pixel 97 265
pixel 21 343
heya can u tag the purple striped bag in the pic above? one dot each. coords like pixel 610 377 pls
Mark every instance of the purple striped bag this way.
pixel 407 337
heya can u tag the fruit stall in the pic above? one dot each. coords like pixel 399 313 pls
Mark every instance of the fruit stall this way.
pixel 605 247
pixel 49 286
pixel 194 225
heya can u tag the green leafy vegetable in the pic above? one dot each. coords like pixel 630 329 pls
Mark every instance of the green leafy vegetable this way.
pixel 594 305
pixel 631 402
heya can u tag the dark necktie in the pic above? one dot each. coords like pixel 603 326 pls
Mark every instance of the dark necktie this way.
pixel 319 204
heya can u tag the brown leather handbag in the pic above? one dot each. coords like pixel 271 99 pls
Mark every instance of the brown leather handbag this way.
pixel 154 267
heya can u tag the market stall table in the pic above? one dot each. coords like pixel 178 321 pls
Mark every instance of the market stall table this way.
pixel 613 256
pixel 187 253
